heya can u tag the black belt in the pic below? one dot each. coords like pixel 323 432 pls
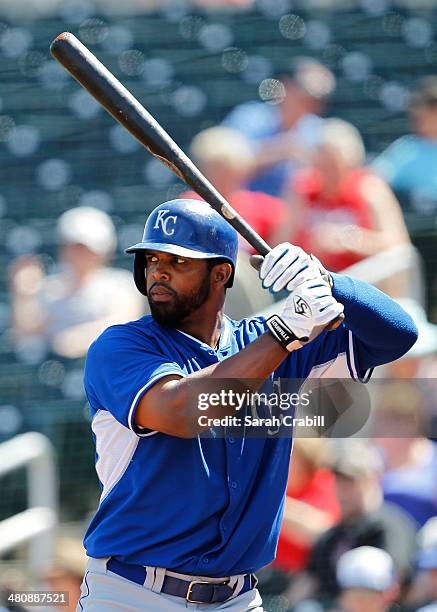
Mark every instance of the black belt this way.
pixel 194 591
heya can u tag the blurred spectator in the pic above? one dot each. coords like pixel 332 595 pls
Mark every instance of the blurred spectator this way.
pixel 339 210
pixel 310 508
pixel 409 164
pixel 226 159
pixel 420 363
pixel 285 129
pixel 425 586
pixel 367 580
pixel 66 572
pixel 365 521
pixel 310 505
pixel 410 459
pixel 69 309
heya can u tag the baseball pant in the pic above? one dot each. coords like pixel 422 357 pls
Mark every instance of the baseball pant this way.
pixel 104 591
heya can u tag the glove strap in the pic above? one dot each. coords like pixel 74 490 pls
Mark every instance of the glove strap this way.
pixel 283 334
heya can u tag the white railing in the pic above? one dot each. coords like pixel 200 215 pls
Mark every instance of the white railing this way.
pixel 402 258
pixel 36 525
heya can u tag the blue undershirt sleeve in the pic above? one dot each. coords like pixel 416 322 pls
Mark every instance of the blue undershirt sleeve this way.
pixel 382 330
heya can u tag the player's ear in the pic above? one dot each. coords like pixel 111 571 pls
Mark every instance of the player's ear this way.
pixel 221 273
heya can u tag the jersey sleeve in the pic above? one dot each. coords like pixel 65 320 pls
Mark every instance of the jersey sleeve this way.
pixel 119 369
pixel 331 355
pixel 338 357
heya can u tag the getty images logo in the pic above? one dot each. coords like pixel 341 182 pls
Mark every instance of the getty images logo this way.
pixel 162 222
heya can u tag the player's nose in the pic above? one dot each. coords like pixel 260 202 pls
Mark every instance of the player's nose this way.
pixel 159 271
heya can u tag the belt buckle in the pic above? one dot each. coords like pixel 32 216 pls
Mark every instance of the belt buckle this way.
pixel 190 588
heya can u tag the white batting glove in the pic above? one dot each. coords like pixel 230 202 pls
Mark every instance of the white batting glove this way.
pixel 286 267
pixel 307 311
pixel 322 270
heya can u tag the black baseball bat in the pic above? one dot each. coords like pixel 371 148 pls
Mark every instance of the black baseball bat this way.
pixel 125 108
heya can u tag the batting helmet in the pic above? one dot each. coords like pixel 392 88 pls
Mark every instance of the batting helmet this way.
pixel 188 228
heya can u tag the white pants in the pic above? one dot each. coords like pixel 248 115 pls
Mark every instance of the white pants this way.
pixel 104 591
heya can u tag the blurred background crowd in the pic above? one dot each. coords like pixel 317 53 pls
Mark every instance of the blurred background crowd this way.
pixel 317 120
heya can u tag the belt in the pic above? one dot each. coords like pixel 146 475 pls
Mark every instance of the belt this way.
pixel 194 591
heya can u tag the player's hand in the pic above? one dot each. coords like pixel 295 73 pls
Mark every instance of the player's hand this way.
pixel 322 270
pixel 286 267
pixel 308 310
pixel 276 275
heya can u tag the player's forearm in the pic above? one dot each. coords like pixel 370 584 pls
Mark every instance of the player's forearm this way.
pixel 384 329
pixel 257 361
pixel 252 365
pixel 170 407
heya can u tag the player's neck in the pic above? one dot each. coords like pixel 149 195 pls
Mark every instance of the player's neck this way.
pixel 205 324
pixel 207 332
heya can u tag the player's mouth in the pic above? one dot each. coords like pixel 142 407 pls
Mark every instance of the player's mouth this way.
pixel 160 293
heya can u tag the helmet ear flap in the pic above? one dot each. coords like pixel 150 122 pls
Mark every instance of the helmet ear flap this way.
pixel 139 272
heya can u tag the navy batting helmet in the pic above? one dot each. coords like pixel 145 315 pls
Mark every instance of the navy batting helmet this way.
pixel 188 228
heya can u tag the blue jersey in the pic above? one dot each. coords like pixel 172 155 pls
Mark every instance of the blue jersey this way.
pixel 198 506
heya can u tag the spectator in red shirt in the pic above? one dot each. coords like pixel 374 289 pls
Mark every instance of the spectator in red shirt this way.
pixel 339 210
pixel 311 506
pixel 226 159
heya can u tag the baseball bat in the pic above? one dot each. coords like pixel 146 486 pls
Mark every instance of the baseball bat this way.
pixel 125 108
pixel 121 104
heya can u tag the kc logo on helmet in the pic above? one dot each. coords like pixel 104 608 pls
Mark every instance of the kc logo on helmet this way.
pixel 162 222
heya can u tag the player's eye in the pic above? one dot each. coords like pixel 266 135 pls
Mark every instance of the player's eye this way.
pixel 180 260
pixel 151 258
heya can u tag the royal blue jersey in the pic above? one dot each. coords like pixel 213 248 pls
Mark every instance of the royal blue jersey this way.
pixel 198 506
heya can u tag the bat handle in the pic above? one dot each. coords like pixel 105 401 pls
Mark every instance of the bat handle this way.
pixel 256 261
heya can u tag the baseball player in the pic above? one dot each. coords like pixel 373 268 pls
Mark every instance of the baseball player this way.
pixel 185 520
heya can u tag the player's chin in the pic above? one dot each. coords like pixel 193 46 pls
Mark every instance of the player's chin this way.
pixel 164 312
